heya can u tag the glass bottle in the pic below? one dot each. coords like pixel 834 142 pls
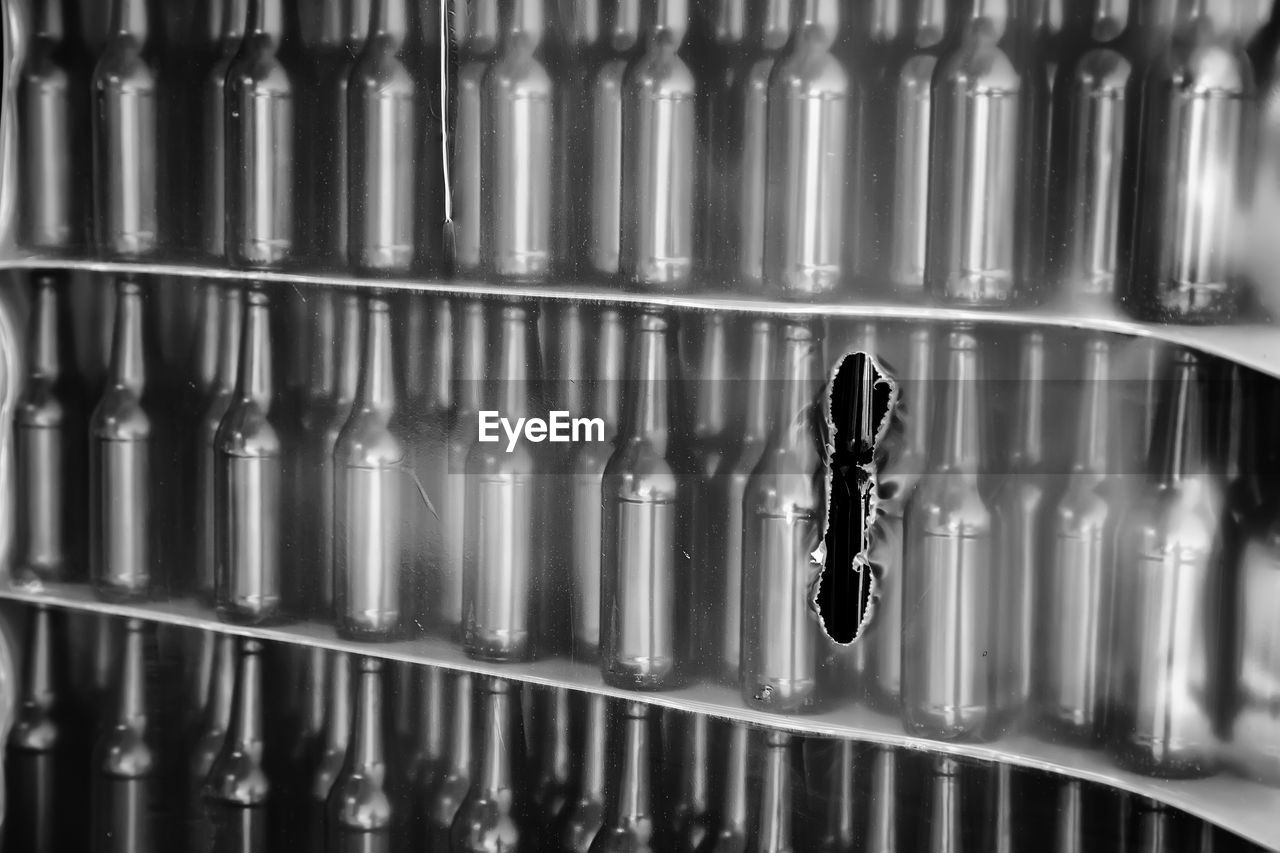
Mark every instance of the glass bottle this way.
pixel 220 398
pixel 469 393
pixel 228 31
pixel 237 791
pixel 212 736
pixel 477 39
pixel 494 815
pixel 359 807
pixel 585 815
pixel 333 751
pixel 443 800
pixel 634 824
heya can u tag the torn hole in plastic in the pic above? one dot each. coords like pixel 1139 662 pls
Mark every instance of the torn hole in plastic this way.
pixel 861 397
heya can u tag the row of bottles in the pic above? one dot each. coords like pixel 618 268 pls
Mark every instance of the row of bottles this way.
pixel 211 742
pixel 1080 539
pixel 802 149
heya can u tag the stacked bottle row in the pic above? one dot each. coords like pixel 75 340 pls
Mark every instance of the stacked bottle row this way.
pixel 199 741
pixel 1107 574
pixel 801 149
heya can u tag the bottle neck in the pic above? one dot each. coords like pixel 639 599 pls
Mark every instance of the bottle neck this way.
pixel 775 794
pixel 517 362
pixel 322 352
pixel 483 26
pixel 597 737
pixel 218 708
pixel 230 324
pixel 526 24
pixel 840 795
pixel 47 330
pixel 820 22
pixel 670 22
pixel 1028 448
pixel 994 14
pixel 376 390
pixel 735 791
pixel 441 389
pixel 266 18
pixel 41 668
pixel 1092 453
pixel 205 360
pixel 460 755
pixel 471 394
pixel 633 795
pixel 882 823
pixel 389 22
pixel 713 368
pixel 610 358
pixel 961 449
pixel 128 359
pixel 433 717
pixel 131 703
pixel 338 724
pixel 246 712
pixel 314 693
pixel 129 17
pixel 624 25
pixel 499 739
pixel 1106 20
pixel 801 353
pixel 773 24
pixel 730 22
pixel 917 394
pixel 649 416
pixel 255 382
pixel 694 784
pixel 1184 452
pixel 568 371
pixel 760 364
pixel 945 821
pixel 347 375
pixel 1003 840
pixel 366 729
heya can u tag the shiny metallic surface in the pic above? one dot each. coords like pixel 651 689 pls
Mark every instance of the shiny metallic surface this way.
pixel 503 580
pixel 53 109
pixel 644 563
pixel 634 822
pixel 126 144
pixel 1197 120
pixel 371 492
pixel 213 217
pixel 49 428
pixel 122 432
pixel 221 395
pixel 1167 618
pixel 477 42
pixel 248 481
pixel 659 158
pixel 782 519
pixel 493 817
pixel 805 217
pixel 259 131
pixel 1072 672
pixel 950 566
pixel 906 448
pixel 588 467
pixel 384 94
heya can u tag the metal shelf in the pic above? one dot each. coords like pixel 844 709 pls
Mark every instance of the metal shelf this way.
pixel 1253 344
pixel 1246 808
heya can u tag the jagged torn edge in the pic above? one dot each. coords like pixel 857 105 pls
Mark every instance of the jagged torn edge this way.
pixel 860 561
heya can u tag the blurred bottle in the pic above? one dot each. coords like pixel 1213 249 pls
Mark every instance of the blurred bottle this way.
pixel 644 573
pixel 905 450
pixel 210 740
pixel 833 791
pixel 1019 509
pixel 504 587
pixel 949 574
pixel 518 147
pixel 52 107
pixel 44 784
pixel 428 762
pixel 430 48
pixel 127 164
pixel 1093 140
pixel 260 134
pixel 384 103
pixel 248 474
pixel 983 243
pixel 123 522
pixel 49 428
pixel 332 755
pixel 634 824
pixel 914 37
pixel 494 816
pixel 1195 158
pixel 469 393
pixel 227 31
pixel 588 465
pixel 551 759
pixel 359 808
pixel 807 196
pixel 774 818
pixel 443 799
pixel 691 823
pixel 371 492
pixel 131 808
pixel 1072 675
pixel 1158 828
pixel 748 39
pixel 660 175
pixel 882 835
pixel 584 816
pixel 732 833
pixel 218 403
pixel 299 746
pixel 1000 833
pixel 477 38
pixel 1253 714
pixel 329 397
pixel 783 511
pixel 1168 612
pixel 946 821
pixel 719 553
pixel 237 791
pixel 1072 831
pixel 603 37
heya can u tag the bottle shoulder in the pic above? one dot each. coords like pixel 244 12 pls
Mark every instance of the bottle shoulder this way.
pixel 247 431
pixel 367 440
pixel 121 416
